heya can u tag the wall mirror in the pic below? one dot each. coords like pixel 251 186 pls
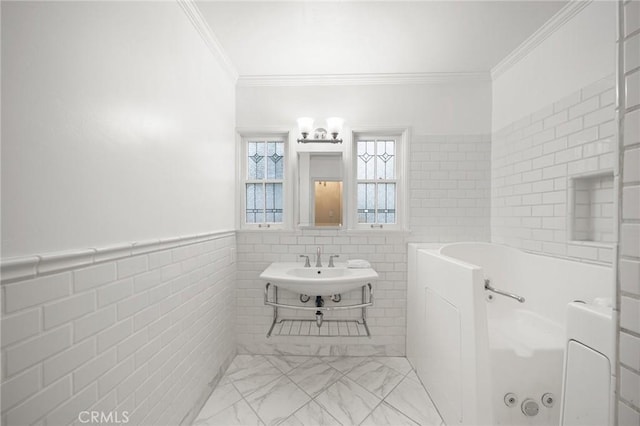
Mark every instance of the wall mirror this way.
pixel 327 209
pixel 321 194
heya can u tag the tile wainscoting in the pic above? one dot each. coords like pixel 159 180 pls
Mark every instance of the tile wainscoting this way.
pixel 387 319
pixel 144 328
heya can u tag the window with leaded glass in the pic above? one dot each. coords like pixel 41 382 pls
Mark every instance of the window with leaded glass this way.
pixel 264 184
pixel 376 180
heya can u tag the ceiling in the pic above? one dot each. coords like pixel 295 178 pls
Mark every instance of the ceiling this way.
pixel 267 38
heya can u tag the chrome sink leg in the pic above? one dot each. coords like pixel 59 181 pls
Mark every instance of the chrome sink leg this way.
pixel 275 308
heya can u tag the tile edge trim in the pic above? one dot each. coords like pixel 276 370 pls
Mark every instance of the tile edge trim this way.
pixel 20 268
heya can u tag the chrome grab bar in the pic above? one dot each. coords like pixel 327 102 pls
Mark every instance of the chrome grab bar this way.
pixel 487 286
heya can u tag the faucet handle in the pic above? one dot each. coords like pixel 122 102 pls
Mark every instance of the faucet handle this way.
pixel 331 265
pixel 307 264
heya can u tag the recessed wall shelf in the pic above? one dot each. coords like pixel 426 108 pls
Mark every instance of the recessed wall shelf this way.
pixel 591 208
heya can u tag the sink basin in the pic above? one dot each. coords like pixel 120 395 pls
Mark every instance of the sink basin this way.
pixel 317 281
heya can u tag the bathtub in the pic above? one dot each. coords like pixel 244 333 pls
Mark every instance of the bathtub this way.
pixel 481 355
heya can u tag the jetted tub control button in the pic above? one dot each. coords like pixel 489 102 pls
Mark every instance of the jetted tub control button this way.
pixel 510 400
pixel 529 407
pixel 548 399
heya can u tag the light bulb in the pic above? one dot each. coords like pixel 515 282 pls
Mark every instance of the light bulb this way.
pixel 305 124
pixel 334 126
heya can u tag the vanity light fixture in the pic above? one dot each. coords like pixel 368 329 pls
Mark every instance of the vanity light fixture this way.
pixel 319 134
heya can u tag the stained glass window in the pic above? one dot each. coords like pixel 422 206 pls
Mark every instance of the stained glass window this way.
pixel 264 198
pixel 376 180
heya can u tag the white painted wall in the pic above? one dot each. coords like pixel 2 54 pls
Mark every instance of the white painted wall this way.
pixel 577 54
pixel 459 108
pixel 118 125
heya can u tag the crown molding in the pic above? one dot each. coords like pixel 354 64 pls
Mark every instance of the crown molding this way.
pixel 202 27
pixel 557 21
pixel 362 79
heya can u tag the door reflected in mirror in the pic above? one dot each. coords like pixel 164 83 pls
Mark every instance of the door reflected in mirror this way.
pixel 320 190
pixel 328 203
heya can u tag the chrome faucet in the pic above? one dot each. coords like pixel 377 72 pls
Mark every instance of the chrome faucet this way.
pixel 331 265
pixel 306 261
pixel 318 261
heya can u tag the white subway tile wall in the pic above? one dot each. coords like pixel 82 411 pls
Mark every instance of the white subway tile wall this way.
pixel 449 179
pixel 532 160
pixel 387 253
pixel 629 250
pixel 145 333
pixel 449 188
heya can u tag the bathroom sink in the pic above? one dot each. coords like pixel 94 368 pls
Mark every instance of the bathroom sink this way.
pixel 314 281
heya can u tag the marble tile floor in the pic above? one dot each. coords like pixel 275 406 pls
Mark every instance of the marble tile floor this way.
pixel 310 391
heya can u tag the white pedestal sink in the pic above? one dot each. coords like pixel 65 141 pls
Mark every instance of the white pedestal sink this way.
pixel 314 281
pixel 318 282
